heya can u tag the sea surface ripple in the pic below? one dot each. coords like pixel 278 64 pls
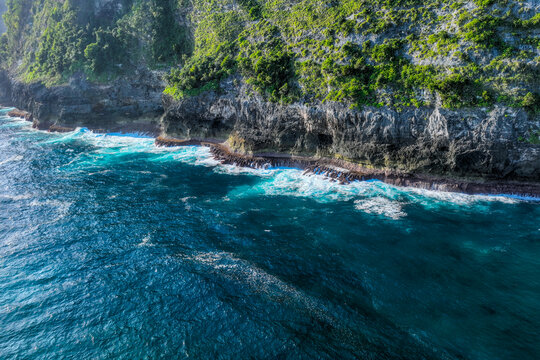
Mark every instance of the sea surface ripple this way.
pixel 111 248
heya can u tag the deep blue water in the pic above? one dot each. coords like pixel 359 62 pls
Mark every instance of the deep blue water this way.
pixel 111 248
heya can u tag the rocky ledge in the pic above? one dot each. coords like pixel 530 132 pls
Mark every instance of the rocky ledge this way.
pixel 472 150
pixel 342 171
pixel 20 114
pixel 60 129
pixel 345 172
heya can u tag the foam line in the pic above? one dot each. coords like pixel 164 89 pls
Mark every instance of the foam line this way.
pixel 277 180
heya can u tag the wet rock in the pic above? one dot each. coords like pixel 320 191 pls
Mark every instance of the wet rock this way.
pixel 171 142
pixel 60 129
pixel 346 172
pixel 21 114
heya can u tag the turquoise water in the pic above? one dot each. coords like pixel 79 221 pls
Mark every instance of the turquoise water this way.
pixel 113 248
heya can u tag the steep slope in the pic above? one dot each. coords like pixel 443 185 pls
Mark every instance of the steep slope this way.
pixel 396 53
pixel 94 63
pixel 49 41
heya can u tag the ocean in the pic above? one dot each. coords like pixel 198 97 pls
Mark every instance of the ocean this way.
pixel 112 248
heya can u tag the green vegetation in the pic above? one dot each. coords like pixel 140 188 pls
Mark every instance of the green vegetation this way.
pixel 531 102
pixel 397 53
pixel 202 73
pixel 382 52
pixel 61 46
pixel 168 39
pixel 108 49
pixel 56 39
pixel 266 64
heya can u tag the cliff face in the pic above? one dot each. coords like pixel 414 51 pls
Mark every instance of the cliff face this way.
pixel 496 143
pixel 493 143
pixel 129 104
pixel 434 87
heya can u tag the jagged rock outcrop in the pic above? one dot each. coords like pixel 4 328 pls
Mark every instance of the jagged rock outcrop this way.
pixel 128 104
pixel 488 143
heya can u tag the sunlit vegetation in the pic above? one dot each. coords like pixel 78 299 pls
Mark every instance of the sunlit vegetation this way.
pixel 397 53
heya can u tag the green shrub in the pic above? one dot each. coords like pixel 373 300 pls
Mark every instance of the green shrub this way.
pixel 169 40
pixel 61 47
pixel 266 63
pixel 108 51
pixel 202 73
pixel 252 7
pixel 457 90
pixel 388 51
pixel 483 31
pixel 531 102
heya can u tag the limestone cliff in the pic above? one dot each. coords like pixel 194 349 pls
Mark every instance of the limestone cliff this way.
pixel 492 143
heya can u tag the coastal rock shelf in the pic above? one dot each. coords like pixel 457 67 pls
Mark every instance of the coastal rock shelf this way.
pixel 346 172
pixel 60 129
pixel 21 114
pixel 341 171
pixel 490 144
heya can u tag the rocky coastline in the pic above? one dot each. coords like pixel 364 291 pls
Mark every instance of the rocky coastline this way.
pixel 341 171
pixel 469 151
pixel 123 105
pixel 345 172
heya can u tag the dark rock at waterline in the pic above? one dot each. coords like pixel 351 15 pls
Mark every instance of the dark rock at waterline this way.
pixel 171 142
pixel 451 147
pixel 131 104
pixel 21 114
pixel 60 129
pixel 345 172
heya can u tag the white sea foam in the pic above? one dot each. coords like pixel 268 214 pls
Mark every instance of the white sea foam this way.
pixel 423 196
pixel 110 148
pixel 285 182
pixel 146 241
pixel 239 170
pixel 288 182
pixel 12 159
pixel 16 197
pixel 13 122
pixel 195 155
pixel 293 183
pixel 373 197
pixel 381 206
pixel 103 141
